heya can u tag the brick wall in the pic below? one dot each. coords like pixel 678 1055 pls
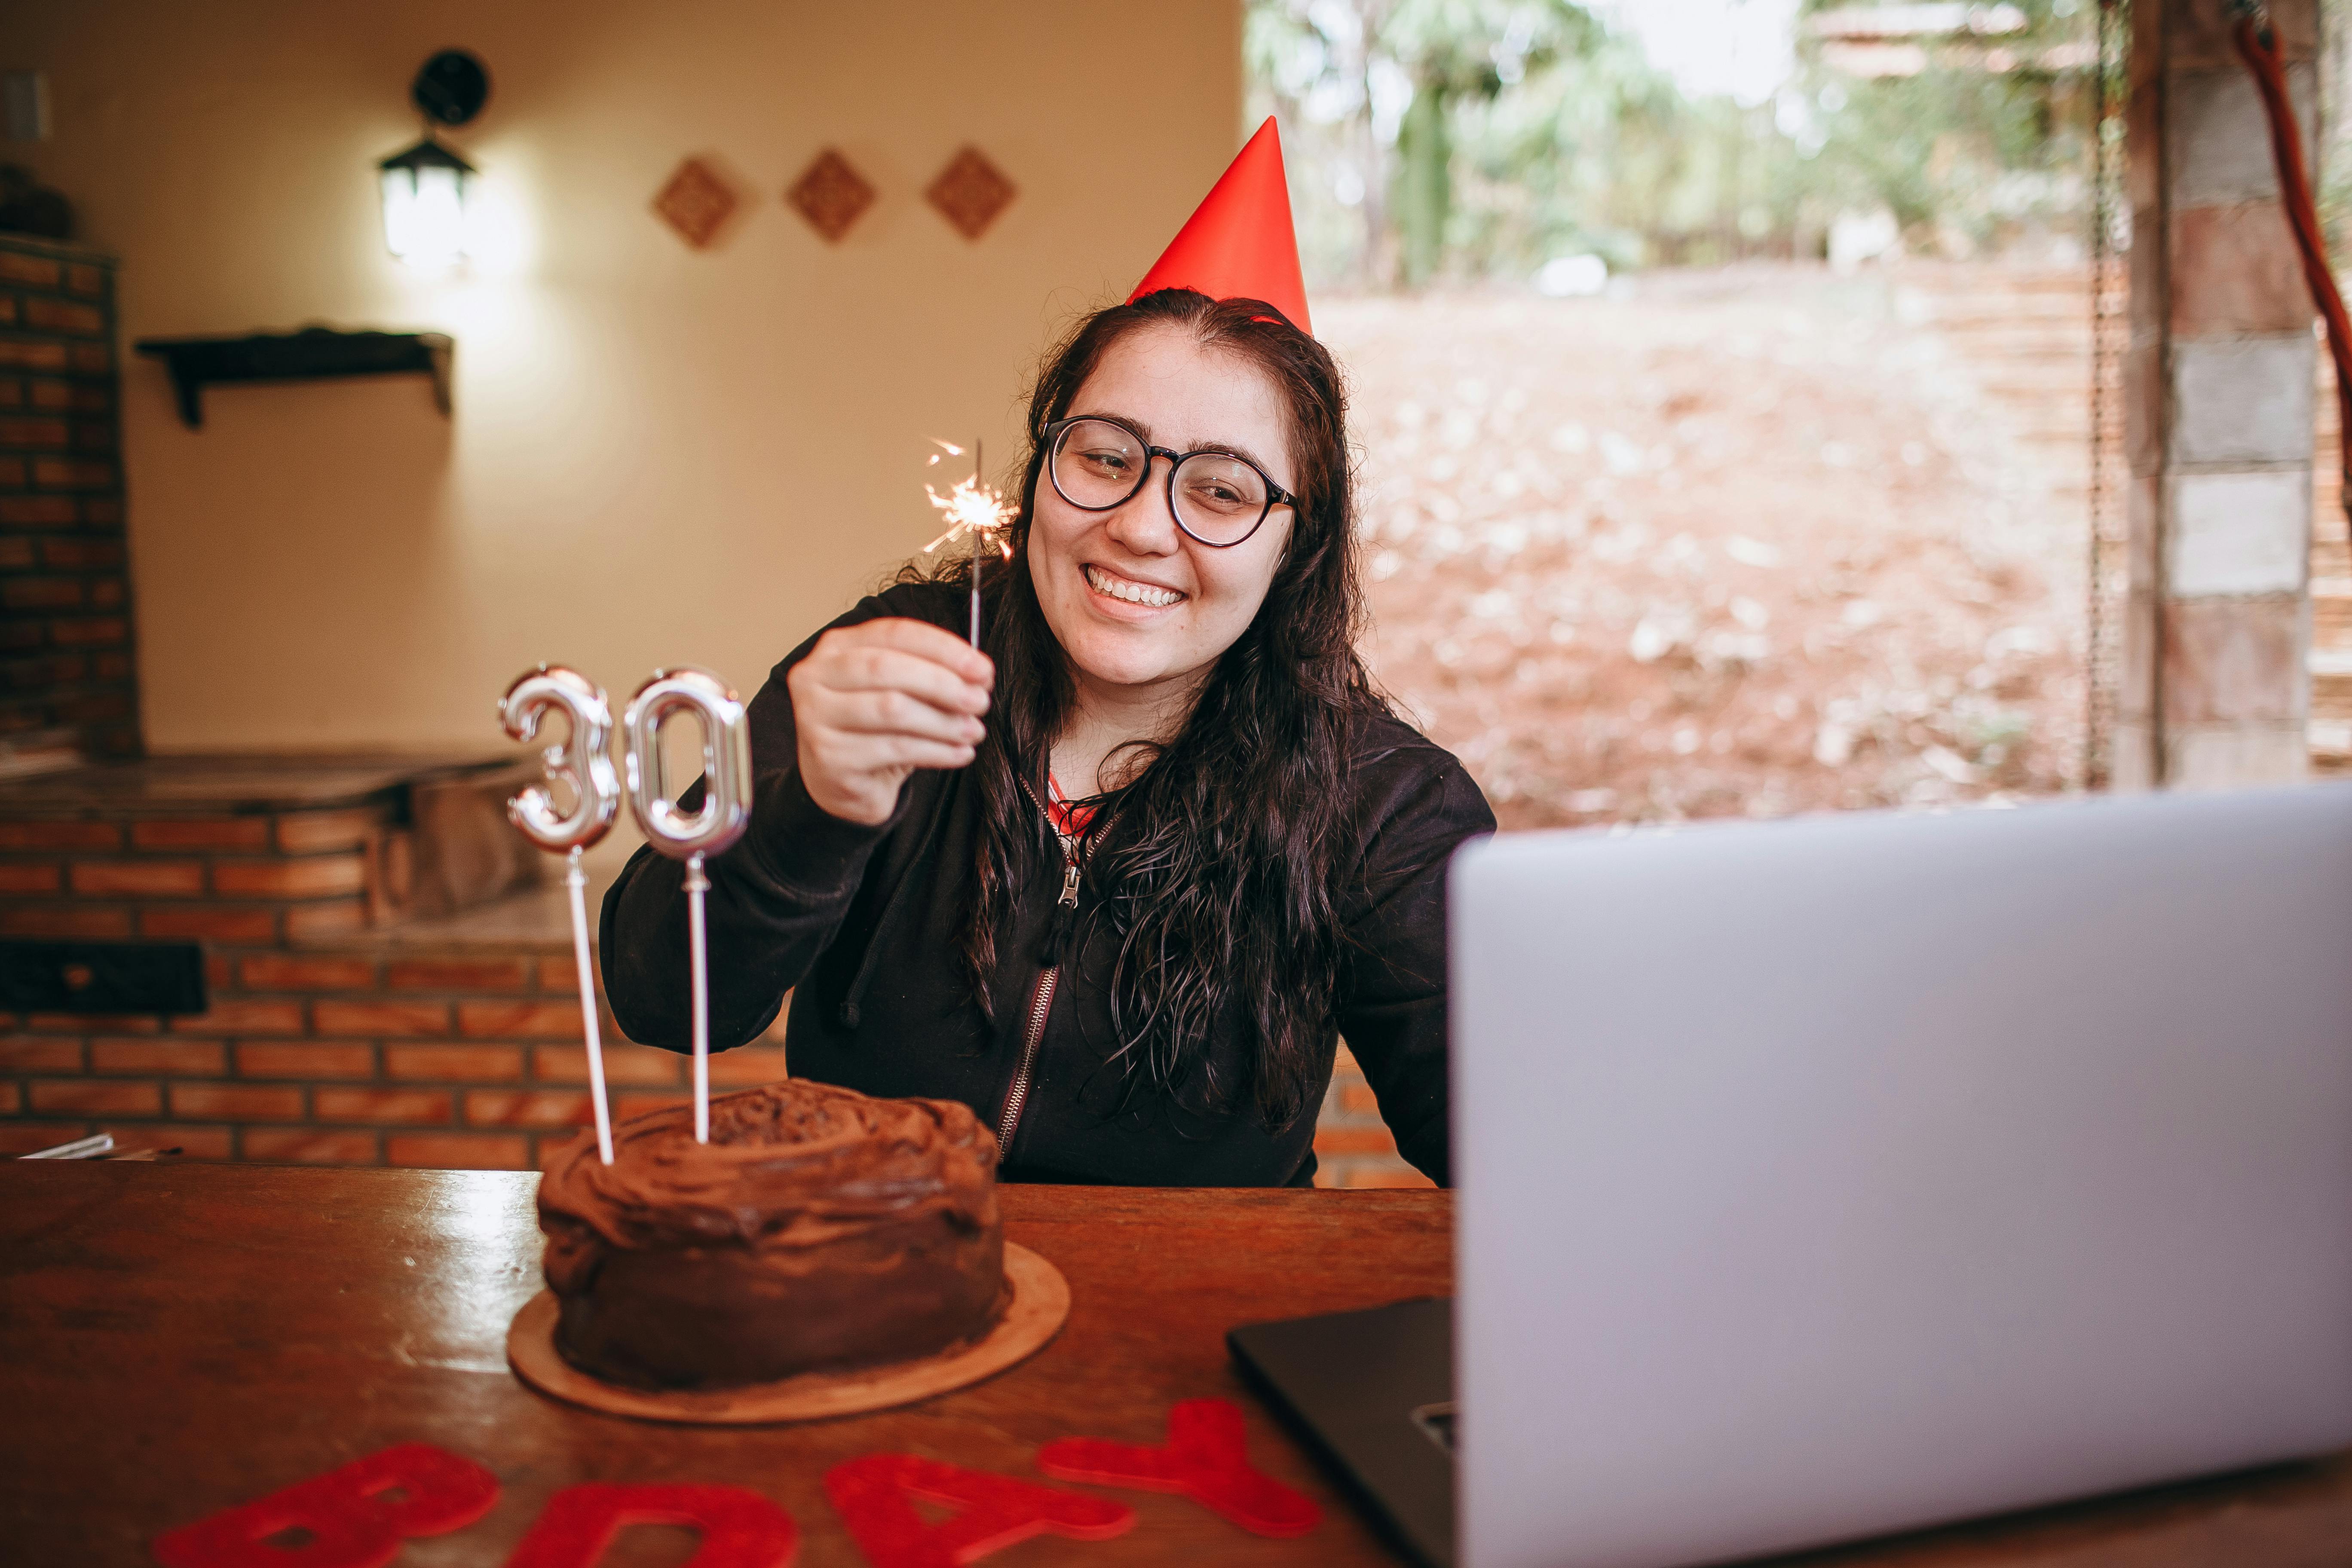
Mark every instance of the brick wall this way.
pixel 326 1040
pixel 1353 1147
pixel 359 1056
pixel 66 672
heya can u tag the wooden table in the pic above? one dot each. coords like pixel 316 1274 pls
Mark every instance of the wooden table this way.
pixel 176 1340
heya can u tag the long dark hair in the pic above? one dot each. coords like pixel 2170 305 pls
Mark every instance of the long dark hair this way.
pixel 1219 872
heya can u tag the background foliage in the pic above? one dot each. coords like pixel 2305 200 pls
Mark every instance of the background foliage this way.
pixel 1433 139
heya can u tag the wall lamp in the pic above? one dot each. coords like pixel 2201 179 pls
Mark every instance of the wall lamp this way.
pixel 425 187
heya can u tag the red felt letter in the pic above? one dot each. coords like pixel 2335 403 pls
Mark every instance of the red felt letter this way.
pixel 344 1516
pixel 739 1528
pixel 1205 1460
pixel 873 1495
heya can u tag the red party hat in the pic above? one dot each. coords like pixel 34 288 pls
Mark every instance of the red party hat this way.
pixel 1238 243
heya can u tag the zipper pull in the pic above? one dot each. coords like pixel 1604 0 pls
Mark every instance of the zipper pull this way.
pixel 1065 910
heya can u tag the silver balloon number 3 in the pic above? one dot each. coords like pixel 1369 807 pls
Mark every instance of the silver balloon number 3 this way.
pixel 584 763
pixel 716 824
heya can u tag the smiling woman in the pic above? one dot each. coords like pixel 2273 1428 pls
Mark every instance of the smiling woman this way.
pixel 1120 879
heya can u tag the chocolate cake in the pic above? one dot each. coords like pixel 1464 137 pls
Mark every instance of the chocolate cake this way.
pixel 819 1229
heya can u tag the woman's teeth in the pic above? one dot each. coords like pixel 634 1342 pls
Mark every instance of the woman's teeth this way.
pixel 1102 582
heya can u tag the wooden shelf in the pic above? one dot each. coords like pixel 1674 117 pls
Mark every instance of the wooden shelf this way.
pixel 314 353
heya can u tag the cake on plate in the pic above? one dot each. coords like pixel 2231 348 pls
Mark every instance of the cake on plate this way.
pixel 819 1230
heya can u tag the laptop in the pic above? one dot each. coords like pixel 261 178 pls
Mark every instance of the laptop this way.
pixel 1841 1175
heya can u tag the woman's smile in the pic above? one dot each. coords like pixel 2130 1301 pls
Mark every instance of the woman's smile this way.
pixel 1127 592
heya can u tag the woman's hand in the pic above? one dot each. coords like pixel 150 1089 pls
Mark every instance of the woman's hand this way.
pixel 876 700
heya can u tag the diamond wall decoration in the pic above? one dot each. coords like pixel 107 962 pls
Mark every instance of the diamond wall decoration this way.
pixel 695 202
pixel 969 193
pixel 831 194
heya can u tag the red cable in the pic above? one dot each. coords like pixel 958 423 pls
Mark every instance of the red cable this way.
pixel 2258 47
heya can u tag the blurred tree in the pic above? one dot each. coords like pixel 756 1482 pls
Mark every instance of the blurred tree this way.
pixel 1478 137
pixel 1457 55
pixel 1392 73
pixel 1425 182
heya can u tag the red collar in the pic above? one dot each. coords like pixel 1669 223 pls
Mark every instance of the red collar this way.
pixel 1070 821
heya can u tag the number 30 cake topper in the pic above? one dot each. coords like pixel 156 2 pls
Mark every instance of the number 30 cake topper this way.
pixel 582 765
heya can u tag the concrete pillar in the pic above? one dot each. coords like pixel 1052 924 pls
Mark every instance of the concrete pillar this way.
pixel 2218 401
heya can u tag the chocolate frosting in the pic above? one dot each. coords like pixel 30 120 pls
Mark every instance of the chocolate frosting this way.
pixel 818 1229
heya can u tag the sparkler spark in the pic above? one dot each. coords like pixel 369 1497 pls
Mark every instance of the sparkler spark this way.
pixel 973 511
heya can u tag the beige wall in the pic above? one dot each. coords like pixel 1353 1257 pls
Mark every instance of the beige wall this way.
pixel 658 455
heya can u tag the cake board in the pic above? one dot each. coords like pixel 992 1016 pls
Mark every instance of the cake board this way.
pixel 1041 1300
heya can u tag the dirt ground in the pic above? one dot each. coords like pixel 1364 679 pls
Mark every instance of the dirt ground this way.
pixel 1716 544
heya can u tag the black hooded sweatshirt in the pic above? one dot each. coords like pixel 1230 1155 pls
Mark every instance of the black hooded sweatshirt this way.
pixel 864 927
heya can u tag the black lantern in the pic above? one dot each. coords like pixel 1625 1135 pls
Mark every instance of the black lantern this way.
pixel 425 187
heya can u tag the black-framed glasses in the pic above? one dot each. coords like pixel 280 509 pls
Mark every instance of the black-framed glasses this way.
pixel 1218 498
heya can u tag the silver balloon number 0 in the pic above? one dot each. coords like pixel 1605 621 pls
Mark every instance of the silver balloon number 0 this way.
pixel 584 763
pixel 717 823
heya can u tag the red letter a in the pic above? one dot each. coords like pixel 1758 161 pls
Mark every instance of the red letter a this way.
pixel 739 1528
pixel 344 1515
pixel 873 1495
pixel 1205 1459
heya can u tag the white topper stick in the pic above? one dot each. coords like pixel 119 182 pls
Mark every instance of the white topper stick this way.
pixel 979 476
pixel 725 812
pixel 584 763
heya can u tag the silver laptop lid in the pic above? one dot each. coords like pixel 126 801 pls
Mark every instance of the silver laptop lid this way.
pixel 1832 1176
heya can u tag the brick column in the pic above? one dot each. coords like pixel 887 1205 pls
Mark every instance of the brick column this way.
pixel 2218 402
pixel 66 684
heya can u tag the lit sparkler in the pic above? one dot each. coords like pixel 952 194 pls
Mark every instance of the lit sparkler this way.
pixel 974 511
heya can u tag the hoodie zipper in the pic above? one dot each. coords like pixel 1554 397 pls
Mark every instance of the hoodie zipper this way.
pixel 1041 1002
pixel 1041 997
